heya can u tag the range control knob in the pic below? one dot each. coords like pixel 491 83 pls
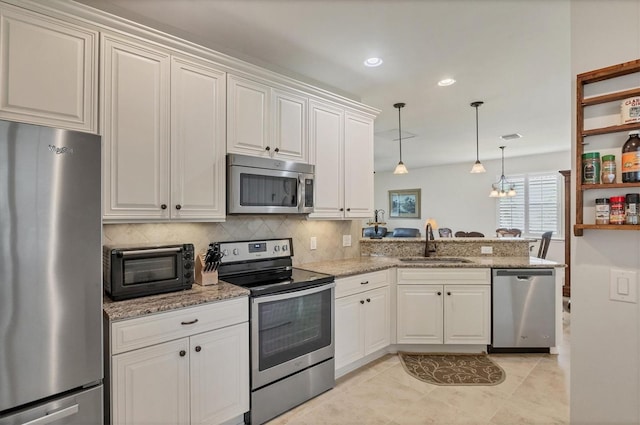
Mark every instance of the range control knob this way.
pixel 236 251
pixel 285 247
pixel 276 248
pixel 225 252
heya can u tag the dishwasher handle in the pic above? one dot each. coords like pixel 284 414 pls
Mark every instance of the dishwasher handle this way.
pixel 524 274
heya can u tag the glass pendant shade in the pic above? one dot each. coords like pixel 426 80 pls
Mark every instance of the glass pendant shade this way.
pixel 400 168
pixel 477 167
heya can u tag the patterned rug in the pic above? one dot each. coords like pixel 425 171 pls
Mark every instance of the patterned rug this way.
pixel 452 369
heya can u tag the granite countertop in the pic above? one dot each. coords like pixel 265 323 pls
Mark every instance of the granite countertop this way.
pixel 353 266
pixel 136 307
pixel 421 240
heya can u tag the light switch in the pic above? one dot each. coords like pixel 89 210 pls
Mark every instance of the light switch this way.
pixel 314 243
pixel 623 286
pixel 346 240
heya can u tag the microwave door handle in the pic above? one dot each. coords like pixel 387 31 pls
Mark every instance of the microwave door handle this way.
pixel 151 251
pixel 300 192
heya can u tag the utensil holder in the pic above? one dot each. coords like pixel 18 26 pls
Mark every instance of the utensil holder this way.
pixel 202 277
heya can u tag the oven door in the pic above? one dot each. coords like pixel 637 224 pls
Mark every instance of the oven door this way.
pixel 261 191
pixel 290 332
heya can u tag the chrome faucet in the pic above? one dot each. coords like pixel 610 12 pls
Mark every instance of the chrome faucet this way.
pixel 428 235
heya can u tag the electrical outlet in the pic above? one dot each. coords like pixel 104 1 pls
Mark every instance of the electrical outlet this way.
pixel 314 242
pixel 346 240
pixel 486 250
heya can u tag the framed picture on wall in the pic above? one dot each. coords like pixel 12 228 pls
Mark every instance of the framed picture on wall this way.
pixel 404 203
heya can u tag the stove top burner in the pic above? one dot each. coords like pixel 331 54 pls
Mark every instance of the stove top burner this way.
pixel 273 281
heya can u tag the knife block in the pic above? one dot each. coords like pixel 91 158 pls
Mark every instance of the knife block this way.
pixel 202 277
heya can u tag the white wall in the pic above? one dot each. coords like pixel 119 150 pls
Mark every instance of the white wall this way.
pixel 605 355
pixel 456 198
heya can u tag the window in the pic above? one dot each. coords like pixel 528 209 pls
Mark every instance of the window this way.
pixel 536 207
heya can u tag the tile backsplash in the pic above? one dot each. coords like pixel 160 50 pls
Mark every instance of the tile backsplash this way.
pixel 328 234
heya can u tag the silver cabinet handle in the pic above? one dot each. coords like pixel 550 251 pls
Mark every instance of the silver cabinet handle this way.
pixel 55 416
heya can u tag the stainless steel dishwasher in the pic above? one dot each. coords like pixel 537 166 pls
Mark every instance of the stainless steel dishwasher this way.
pixel 524 312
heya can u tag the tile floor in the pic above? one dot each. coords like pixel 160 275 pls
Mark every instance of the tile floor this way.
pixel 535 391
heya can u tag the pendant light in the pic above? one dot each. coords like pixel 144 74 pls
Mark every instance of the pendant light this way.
pixel 477 167
pixel 400 168
pixel 498 189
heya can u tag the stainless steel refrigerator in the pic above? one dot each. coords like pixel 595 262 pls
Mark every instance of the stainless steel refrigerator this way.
pixel 50 276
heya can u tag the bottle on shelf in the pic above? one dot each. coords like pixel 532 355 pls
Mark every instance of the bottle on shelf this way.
pixel 631 158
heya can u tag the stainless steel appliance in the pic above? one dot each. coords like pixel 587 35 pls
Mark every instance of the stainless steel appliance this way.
pixel 524 310
pixel 50 290
pixel 136 271
pixel 291 322
pixel 268 186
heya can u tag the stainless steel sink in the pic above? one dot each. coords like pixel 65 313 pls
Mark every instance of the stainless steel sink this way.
pixel 435 260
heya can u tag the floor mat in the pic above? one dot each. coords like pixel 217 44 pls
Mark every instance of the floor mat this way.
pixel 452 369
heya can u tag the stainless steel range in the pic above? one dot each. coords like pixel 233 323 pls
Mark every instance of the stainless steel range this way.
pixel 292 325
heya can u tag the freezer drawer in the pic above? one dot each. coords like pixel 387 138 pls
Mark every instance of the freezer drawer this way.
pixel 523 308
pixel 81 408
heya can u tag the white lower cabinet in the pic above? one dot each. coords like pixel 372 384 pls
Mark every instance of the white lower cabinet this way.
pixel 362 319
pixel 200 378
pixel 444 306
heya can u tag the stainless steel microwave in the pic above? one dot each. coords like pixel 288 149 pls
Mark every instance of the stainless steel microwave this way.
pixel 135 271
pixel 268 186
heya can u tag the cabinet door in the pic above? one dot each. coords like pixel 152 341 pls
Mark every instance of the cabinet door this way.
pixel 376 320
pixel 326 141
pixel 467 314
pixel 135 111
pixel 358 166
pixel 349 330
pixel 289 126
pixel 419 314
pixel 198 99
pixel 220 374
pixel 151 385
pixel 49 72
pixel 247 117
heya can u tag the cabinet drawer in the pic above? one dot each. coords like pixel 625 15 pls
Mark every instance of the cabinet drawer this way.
pixel 448 276
pixel 128 335
pixel 362 282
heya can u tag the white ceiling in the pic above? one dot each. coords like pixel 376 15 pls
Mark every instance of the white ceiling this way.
pixel 511 54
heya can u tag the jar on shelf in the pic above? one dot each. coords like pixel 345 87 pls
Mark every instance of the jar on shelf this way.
pixel 616 214
pixel 602 211
pixel 631 158
pixel 608 174
pixel 591 168
pixel 631 208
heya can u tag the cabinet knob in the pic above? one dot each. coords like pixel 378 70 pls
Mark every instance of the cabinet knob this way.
pixel 198 348
pixel 439 293
pixel 341 209
pixel 277 150
pixel 368 300
pixel 448 293
pixel 267 149
pixel 163 206
pixel 183 353
pixel 348 209
pixel 361 301
pixel 178 207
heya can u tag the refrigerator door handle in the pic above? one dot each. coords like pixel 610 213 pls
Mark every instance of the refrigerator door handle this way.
pixel 52 417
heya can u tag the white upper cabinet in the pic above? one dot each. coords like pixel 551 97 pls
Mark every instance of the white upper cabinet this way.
pixel 342 146
pixel 163 137
pixel 135 117
pixel 198 96
pixel 49 72
pixel 265 121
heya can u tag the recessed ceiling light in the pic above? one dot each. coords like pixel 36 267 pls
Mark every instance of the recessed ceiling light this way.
pixel 512 136
pixel 446 82
pixel 373 62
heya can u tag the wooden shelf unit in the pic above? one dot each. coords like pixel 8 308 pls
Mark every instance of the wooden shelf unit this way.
pixel 582 103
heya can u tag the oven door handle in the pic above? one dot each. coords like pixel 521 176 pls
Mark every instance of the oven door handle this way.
pixel 150 251
pixel 293 294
